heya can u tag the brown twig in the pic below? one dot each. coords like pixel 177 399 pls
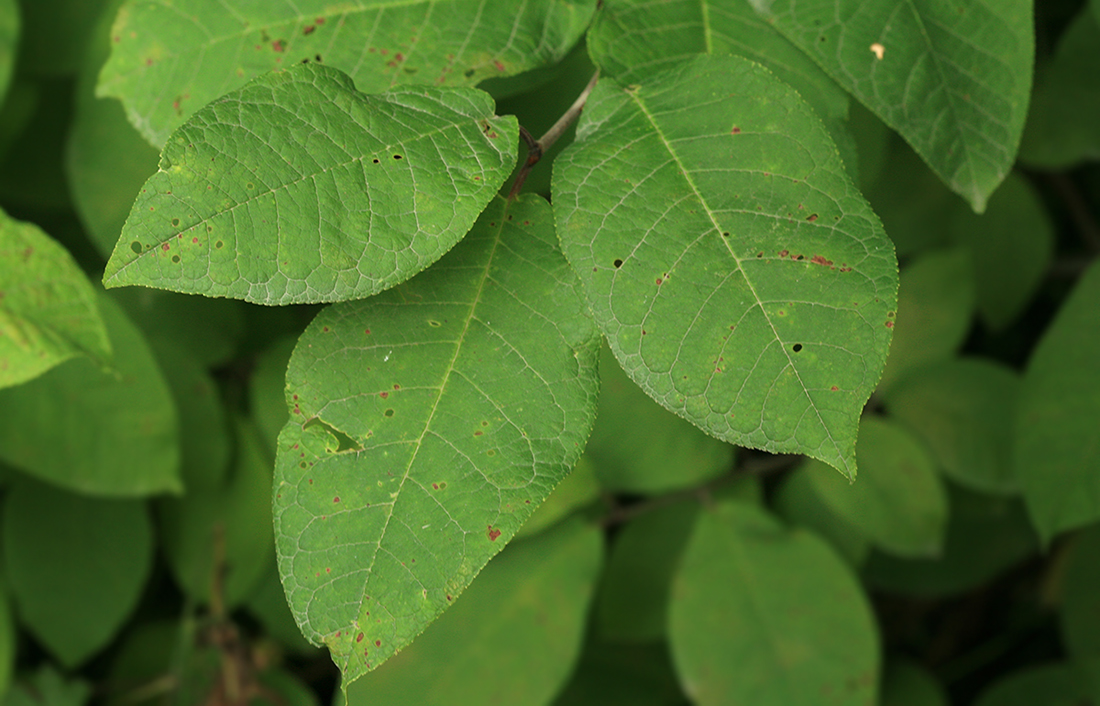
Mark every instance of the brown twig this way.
pixel 539 147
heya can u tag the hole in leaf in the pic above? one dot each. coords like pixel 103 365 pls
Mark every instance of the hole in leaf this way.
pixel 136 247
pixel 343 441
pixel 388 413
pixel 176 258
pixel 175 222
pixel 618 263
pixel 397 156
pixel 796 347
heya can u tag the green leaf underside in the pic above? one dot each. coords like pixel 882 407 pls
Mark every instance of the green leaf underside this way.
pixel 77 582
pixel 512 639
pixel 427 424
pixel 634 39
pixel 48 310
pixel 778 604
pixel 173 56
pixel 739 276
pixel 953 78
pixel 98 432
pixel 1056 456
pixel 349 194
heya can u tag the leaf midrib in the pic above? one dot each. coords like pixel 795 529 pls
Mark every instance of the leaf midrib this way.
pixel 636 97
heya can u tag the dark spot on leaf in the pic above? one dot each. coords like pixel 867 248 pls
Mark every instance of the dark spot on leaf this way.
pixel 796 347
pixel 484 423
pixel 317 58
pixel 176 258
pixel 136 247
pixel 397 156
pixel 469 72
pixel 279 45
pixel 388 413
pixel 812 217
pixel 309 29
pixel 618 263
pixel 735 131
pixel 799 257
pixel 376 161
pixel 889 324
pixel 449 597
pixel 218 245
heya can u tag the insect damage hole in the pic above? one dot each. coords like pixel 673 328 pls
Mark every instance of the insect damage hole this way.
pixel 796 347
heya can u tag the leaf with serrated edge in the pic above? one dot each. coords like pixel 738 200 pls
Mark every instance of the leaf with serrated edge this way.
pixel 170 57
pixel 427 424
pixel 48 310
pixel 739 276
pixel 953 77
pixel 297 188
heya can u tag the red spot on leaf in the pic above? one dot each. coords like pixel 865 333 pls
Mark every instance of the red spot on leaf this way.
pixel 377 643
pixel 194 240
pixel 834 388
pixel 383 395
pixel 366 331
pixel 659 281
pixel 328 570
pixel 435 486
pixel 812 217
pixel 493 533
pixel 279 45
pixel 784 253
pixel 396 386
pixel 735 131
pixel 889 324
pixel 820 260
pixel 164 247
pixel 336 499
pixel 319 20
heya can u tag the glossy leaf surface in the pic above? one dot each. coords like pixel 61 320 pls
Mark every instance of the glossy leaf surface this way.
pixel 48 310
pixel 298 188
pixel 768 616
pixel 427 425
pixel 173 56
pixel 740 278
pixel 952 76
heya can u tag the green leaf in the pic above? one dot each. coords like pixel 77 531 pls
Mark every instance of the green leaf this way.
pixel 9 42
pixel 208 330
pixel 623 675
pixel 952 77
pixel 1060 130
pixel 637 446
pixel 631 40
pixel 1055 455
pixel 899 502
pixel 173 56
pixel 935 308
pixel 47 687
pixel 427 425
pixel 634 592
pixel 231 523
pixel 985 536
pixel 511 639
pixel 907 684
pixel 55 34
pixel 1079 616
pixel 8 636
pixel 578 489
pixel 106 159
pixel 797 502
pixel 94 431
pixel 1010 245
pixel 76 566
pixel 767 616
pixel 963 409
pixel 268 605
pixel 754 300
pixel 350 195
pixel 1054 684
pixel 48 311
pixel 267 389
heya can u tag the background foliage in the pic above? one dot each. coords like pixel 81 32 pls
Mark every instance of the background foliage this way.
pixel 669 344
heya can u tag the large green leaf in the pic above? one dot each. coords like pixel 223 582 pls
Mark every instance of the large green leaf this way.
pixel 427 424
pixel 512 638
pixel 952 76
pixel 173 56
pixel 633 39
pixel 76 565
pixel 48 310
pixel 767 616
pixel 100 432
pixel 739 276
pixel 1056 457
pixel 298 188
pixel 899 503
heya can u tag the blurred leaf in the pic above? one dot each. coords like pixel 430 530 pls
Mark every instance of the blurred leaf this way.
pixel 427 425
pixel 283 688
pixel 94 431
pixel 799 504
pixel 351 184
pixel 173 56
pixel 637 446
pixel 952 77
pixel 511 639
pixel 238 516
pixel 76 566
pixel 10 30
pixel 8 636
pixel 935 306
pixel 1055 454
pixel 767 616
pixel 908 684
pixel 1079 616
pixel 963 409
pixel 268 605
pixel 47 687
pixel 623 675
pixel 985 536
pixel 56 34
pixel 632 40
pixel 758 339
pixel 267 390
pixel 898 501
pixel 1056 684
pixel 1061 131
pixel 48 311
pixel 32 174
pixel 634 592
pixel 1010 246
pixel 208 329
pixel 106 159
pixel 578 489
